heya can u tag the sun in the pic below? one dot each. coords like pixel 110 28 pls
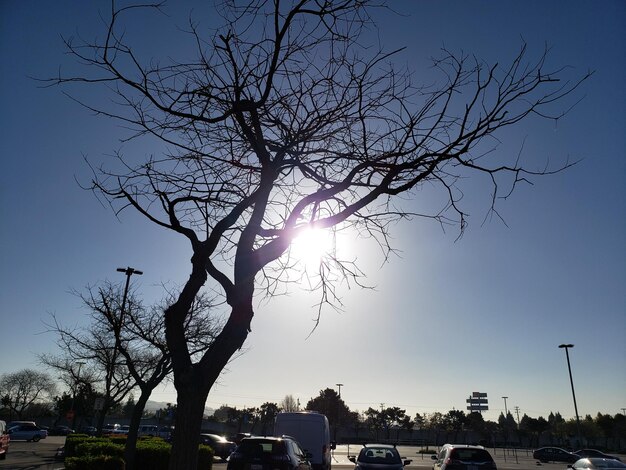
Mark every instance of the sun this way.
pixel 312 245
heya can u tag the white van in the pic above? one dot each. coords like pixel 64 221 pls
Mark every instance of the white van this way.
pixel 311 430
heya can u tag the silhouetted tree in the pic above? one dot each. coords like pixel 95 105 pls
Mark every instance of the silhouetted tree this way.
pixel 329 403
pixel 407 424
pixel 392 417
pixel 288 120
pixel 268 413
pixel 373 420
pixel 25 388
pixel 289 404
pixel 434 423
pixel 134 339
pixel 454 421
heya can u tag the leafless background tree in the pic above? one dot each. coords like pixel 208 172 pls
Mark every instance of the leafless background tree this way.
pixel 286 120
pixel 21 390
pixel 124 348
pixel 91 354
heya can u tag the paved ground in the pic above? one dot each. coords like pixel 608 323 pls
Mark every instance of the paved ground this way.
pixel 40 456
pixel 33 455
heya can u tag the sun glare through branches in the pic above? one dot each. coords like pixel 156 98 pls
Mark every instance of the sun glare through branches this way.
pixel 311 246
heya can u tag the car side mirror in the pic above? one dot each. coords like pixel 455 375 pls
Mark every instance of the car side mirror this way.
pixel 407 462
pixel 352 458
pixel 433 457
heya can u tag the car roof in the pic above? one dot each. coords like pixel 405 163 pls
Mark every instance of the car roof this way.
pixel 464 446
pixel 266 438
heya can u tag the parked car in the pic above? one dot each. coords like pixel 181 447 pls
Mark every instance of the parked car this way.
pixel 378 457
pixel 110 428
pixel 220 445
pixel 27 432
pixel 554 454
pixel 596 463
pixel 463 457
pixel 583 453
pixel 269 453
pixel 60 430
pixel 89 430
pixel 240 436
pixel 165 432
pixel 122 429
pixel 4 440
pixel 148 430
pixel 12 424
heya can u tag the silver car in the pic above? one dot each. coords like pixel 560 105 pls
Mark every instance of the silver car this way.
pixel 27 432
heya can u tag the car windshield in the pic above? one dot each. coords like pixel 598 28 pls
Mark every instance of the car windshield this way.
pixel 261 447
pixel 471 455
pixel 382 455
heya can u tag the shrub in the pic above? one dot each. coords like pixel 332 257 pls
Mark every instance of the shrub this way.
pixel 89 453
pixel 99 462
pixel 99 447
pixel 153 454
pixel 74 440
pixel 205 457
pixel 118 439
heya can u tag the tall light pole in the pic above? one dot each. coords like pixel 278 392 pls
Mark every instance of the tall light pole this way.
pixel 506 412
pixel 129 272
pixel 571 381
pixel 338 409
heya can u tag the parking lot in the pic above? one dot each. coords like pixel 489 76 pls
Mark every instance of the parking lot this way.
pixel 33 455
pixel 40 456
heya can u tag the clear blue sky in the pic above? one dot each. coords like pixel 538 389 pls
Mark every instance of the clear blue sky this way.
pixel 485 313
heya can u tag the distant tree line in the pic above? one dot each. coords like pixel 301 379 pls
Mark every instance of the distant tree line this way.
pixel 29 394
pixel 109 367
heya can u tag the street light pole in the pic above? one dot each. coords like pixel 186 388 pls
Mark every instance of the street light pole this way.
pixel 338 410
pixel 128 272
pixel 506 412
pixel 571 381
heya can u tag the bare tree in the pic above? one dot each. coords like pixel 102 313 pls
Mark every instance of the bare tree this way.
pixel 96 349
pixel 25 388
pixel 283 123
pixel 137 338
pixel 143 345
pixel 289 403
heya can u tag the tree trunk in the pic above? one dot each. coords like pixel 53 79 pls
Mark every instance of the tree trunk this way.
pixel 189 412
pixel 100 421
pixel 135 420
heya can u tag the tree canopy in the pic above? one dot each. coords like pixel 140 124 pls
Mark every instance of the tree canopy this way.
pixel 290 118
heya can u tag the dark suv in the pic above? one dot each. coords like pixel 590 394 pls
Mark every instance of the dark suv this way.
pixel 269 453
pixel 463 457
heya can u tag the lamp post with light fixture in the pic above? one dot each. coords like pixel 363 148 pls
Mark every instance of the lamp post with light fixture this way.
pixel 571 381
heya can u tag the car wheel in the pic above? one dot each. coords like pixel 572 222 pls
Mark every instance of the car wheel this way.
pixel 36 438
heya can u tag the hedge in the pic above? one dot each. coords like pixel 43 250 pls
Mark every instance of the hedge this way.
pixel 84 453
